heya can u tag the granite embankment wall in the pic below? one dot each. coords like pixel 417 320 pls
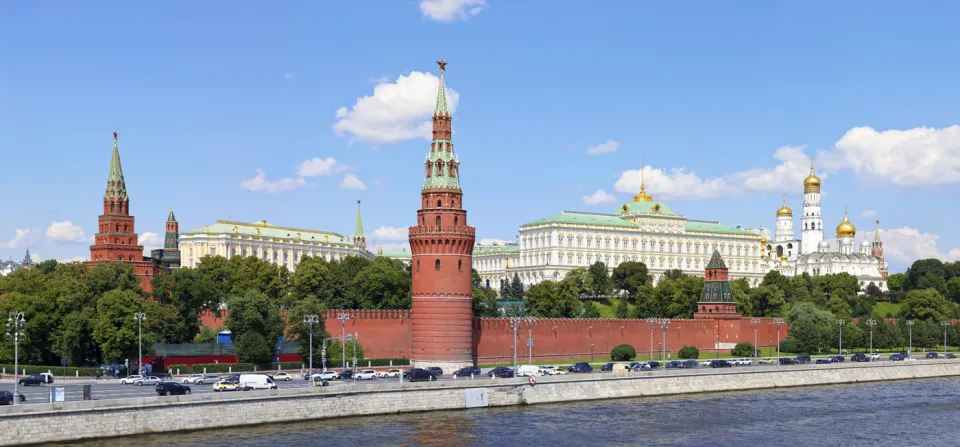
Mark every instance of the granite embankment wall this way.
pixel 71 421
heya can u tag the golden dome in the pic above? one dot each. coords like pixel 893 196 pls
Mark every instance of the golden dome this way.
pixel 783 257
pixel 642 196
pixel 846 229
pixel 763 240
pixel 784 210
pixel 811 184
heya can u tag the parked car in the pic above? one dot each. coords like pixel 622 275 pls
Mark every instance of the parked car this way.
pixel 528 370
pixel 765 361
pixel 653 364
pixel 741 361
pixel 640 367
pixel 192 378
pixel 897 357
pixel 690 364
pixel 674 364
pixel 501 372
pixel 283 375
pixel 36 379
pixel 951 355
pixel 391 373
pixel 130 380
pixel 171 389
pixel 554 371
pixel 317 381
pixel 327 375
pixel 823 362
pixel 436 371
pixel 366 374
pixel 147 380
pixel 6 397
pixel 345 374
pixel 720 364
pixel 467 371
pixel 933 355
pixel 205 379
pixel 837 358
pixel 580 367
pixel 787 361
pixel 802 359
pixel 607 367
pixel 226 385
pixel 418 375
pixel 859 357
pixel 874 356
pixel 256 382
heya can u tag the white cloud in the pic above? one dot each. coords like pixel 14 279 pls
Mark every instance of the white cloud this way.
pixel 868 213
pixel 786 176
pixel 603 148
pixel 390 233
pixel 35 257
pixel 918 156
pixel 319 166
pixel 450 10
pixel 289 75
pixel 259 183
pixel 65 231
pixel 392 246
pixel 149 238
pixel 72 259
pixel 395 112
pixel 350 181
pixel 677 184
pixel 492 241
pixel 908 244
pixel 599 198
pixel 22 238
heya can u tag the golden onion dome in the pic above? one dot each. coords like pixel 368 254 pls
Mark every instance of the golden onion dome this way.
pixel 784 210
pixel 846 229
pixel 642 196
pixel 783 257
pixel 763 240
pixel 811 184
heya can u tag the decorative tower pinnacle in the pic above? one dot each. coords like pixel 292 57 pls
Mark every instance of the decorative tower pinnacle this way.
pixel 115 199
pixel 172 239
pixel 441 245
pixel 642 196
pixel 877 251
pixel 358 238
pixel 27 260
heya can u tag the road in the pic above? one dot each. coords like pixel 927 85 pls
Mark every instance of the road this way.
pixel 111 389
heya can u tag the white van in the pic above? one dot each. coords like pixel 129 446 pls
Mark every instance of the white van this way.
pixel 528 370
pixel 256 382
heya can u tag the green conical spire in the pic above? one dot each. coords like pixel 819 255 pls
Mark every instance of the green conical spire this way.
pixel 358 232
pixel 876 234
pixel 441 108
pixel 171 217
pixel 116 187
pixel 716 261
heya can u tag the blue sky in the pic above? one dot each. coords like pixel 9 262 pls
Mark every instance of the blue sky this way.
pixel 555 101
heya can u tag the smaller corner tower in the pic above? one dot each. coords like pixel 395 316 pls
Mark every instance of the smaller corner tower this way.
pixel 171 240
pixel 716 302
pixel 358 238
pixel 877 251
pixel 27 260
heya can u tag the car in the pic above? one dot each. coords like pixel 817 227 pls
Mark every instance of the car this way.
pixel 951 355
pixel 788 361
pixel 36 379
pixel 130 380
pixel 720 364
pixel 528 370
pixel 653 364
pixel 674 364
pixel 837 358
pixel 6 397
pixel 873 356
pixel 418 375
pixel 640 366
pixel 435 370
pixel 607 367
pixel 317 381
pixel 802 359
pixel 859 357
pixel 256 382
pixel 557 371
pixel 932 355
pixel 284 376
pixel 327 375
pixel 467 372
pixel 897 357
pixel 366 374
pixel 689 364
pixel 580 367
pixel 823 362
pixel 501 372
pixel 765 361
pixel 147 380
pixel 205 379
pixel 226 385
pixel 741 362
pixel 171 389
pixel 192 378
pixel 391 373
pixel 345 374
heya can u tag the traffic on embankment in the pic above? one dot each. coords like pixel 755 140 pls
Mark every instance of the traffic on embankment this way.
pixel 296 401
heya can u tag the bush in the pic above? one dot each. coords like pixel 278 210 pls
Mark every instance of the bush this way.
pixel 689 352
pixel 58 371
pixel 742 349
pixel 222 367
pixel 789 346
pixel 622 353
pixel 184 369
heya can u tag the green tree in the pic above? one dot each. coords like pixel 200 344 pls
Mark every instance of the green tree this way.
pixel 623 310
pixel 896 281
pixel 206 335
pixel 300 332
pixel 475 277
pixel 689 352
pixel 335 350
pixel 953 289
pixel 548 299
pixel 630 276
pixel 485 303
pixel 255 325
pixel 776 279
pixel 741 295
pixel 313 279
pixel 505 289
pixel 843 285
pixel 516 288
pixel 108 276
pixel 381 285
pixel 810 327
pixel 600 279
pixel 589 310
pixel 116 331
pixel 839 308
pixel 252 273
pixel 189 293
pixel 925 304
pixel 743 349
pixel 767 301
pixel 581 278
pixel 926 274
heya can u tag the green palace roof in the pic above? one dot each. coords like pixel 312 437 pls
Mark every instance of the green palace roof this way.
pixel 652 208
pixel 490 250
pixel 700 226
pixel 581 218
pixel 396 254
pixel 264 230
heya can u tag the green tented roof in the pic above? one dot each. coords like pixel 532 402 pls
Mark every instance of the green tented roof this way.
pixel 489 250
pixel 271 232
pixel 656 208
pixel 716 292
pixel 171 217
pixel 116 186
pixel 715 227
pixel 358 231
pixel 716 261
pixel 580 218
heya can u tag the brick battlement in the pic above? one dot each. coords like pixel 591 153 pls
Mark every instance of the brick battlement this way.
pixel 369 314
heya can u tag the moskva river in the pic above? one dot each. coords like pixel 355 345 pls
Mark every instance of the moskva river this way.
pixel 913 413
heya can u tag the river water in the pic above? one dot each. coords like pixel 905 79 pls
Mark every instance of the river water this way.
pixel 909 413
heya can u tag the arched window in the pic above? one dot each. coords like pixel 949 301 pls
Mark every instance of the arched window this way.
pixel 459 265
pixel 455 220
pixel 439 204
pixel 436 265
pixel 453 204
pixel 418 265
pixel 438 222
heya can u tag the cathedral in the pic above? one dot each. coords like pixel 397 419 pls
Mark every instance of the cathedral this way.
pixel 814 255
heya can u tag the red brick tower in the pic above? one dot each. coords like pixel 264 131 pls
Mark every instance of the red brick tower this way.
pixel 442 247
pixel 115 239
pixel 716 302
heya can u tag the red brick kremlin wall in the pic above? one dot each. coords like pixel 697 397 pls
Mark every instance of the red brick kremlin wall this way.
pixel 387 334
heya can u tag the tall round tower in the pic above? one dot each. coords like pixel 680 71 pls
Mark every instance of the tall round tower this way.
pixel 812 221
pixel 442 247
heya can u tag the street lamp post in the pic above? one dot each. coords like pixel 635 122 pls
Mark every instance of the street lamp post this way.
pixel 945 324
pixel 323 352
pixel 910 324
pixel 310 320
pixel 840 348
pixel 15 324
pixel 515 325
pixel 140 317
pixel 530 339
pixel 353 338
pixel 778 322
pixel 343 317
pixel 871 323
pixel 664 324
pixel 755 322
pixel 651 322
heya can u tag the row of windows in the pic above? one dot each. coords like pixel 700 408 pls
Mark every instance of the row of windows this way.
pixel 612 261
pixel 644 245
